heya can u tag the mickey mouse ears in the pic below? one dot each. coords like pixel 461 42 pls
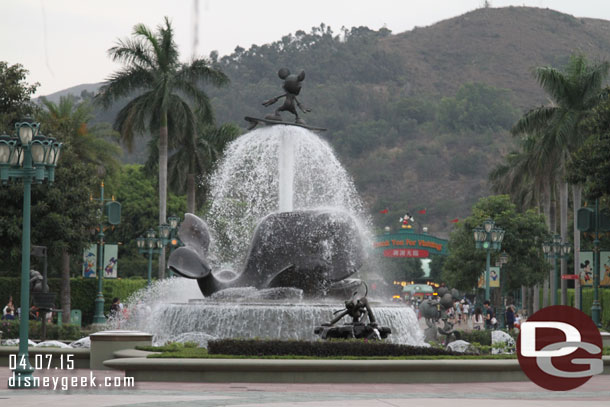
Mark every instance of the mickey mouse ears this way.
pixel 283 73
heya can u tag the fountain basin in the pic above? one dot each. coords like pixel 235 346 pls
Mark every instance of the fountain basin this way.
pixel 265 320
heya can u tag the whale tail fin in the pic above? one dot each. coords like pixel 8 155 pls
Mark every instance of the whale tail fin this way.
pixel 188 263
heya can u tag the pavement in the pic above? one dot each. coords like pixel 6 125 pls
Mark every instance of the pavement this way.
pixel 596 392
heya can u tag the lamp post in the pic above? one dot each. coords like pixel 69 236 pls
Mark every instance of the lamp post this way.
pixel 596 309
pixel 31 157
pixel 114 216
pixel 150 245
pixel 488 238
pixel 555 249
pixel 502 260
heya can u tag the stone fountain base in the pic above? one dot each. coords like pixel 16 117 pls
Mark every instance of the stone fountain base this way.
pixel 262 319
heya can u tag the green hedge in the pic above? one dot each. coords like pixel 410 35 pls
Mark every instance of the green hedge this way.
pixel 10 330
pixel 82 292
pixel 253 347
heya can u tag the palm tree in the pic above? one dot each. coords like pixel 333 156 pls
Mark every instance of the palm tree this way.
pixel 90 144
pixel 527 177
pixel 192 158
pixel 160 87
pixel 573 93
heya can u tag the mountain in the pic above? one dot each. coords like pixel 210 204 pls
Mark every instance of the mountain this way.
pixel 418 118
pixel 74 90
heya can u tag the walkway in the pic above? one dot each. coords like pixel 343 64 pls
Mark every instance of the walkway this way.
pixel 596 392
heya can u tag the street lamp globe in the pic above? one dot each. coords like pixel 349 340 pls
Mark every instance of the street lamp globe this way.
pixel 26 131
pixel 173 221
pixel 566 248
pixel 141 242
pixel 504 257
pixel 150 234
pixel 164 231
pixel 546 247
pixel 479 235
pixel 488 225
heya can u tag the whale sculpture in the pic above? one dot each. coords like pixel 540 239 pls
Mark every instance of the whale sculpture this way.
pixel 312 250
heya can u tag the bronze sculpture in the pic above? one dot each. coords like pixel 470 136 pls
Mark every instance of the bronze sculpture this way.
pixel 292 87
pixel 357 308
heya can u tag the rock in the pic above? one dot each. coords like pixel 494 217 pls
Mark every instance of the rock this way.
pixel 15 342
pixel 82 343
pixel 501 337
pixel 461 346
pixel 52 344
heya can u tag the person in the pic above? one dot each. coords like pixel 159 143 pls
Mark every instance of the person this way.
pixel 510 317
pixel 490 318
pixel 9 306
pixel 477 320
pixel 458 312
pixel 9 315
pixel 34 313
pixel 115 308
pixel 465 310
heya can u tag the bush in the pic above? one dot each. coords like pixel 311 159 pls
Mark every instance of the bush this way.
pixel 480 337
pixel 253 347
pixel 10 330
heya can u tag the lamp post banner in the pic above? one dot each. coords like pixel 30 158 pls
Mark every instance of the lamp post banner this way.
pixel 90 261
pixel 586 268
pixel 494 278
pixel 111 257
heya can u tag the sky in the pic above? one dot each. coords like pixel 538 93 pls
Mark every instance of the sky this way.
pixel 64 43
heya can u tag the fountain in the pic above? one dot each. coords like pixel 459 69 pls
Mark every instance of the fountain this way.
pixel 284 231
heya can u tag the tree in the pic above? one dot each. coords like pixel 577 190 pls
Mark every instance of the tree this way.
pixel 93 149
pixel 15 96
pixel 524 234
pixel 93 144
pixel 574 93
pixel 477 106
pixel 590 165
pixel 136 192
pixel 193 159
pixel 163 87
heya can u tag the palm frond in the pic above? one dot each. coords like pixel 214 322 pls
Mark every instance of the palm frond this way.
pixel 553 81
pixel 534 120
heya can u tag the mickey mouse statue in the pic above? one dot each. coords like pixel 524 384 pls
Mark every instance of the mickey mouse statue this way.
pixel 405 221
pixel 292 86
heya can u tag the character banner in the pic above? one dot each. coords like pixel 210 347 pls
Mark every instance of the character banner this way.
pixel 111 256
pixel 110 261
pixel 494 278
pixel 586 269
pixel 90 261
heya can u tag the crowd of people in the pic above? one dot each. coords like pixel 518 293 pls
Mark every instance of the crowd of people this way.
pixel 476 316
pixel 10 313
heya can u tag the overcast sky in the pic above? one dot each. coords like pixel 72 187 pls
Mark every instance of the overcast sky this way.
pixel 63 43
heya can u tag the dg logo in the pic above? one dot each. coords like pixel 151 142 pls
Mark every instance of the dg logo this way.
pixel 560 348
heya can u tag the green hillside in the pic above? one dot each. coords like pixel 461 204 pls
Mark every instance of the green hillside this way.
pixel 418 118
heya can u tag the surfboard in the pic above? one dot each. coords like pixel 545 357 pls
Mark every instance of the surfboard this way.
pixel 254 121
